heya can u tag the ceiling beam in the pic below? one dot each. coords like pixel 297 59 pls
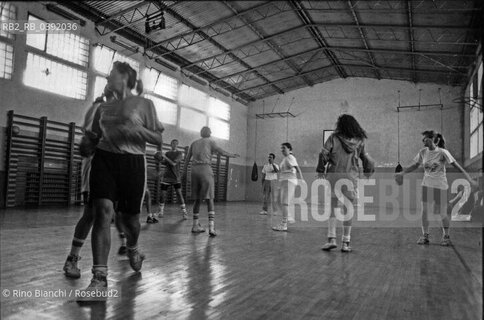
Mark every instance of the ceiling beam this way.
pixel 206 28
pixel 217 45
pixel 316 34
pixel 272 45
pixel 358 66
pixel 129 34
pixel 410 37
pixel 122 12
pixel 363 38
pixel 302 27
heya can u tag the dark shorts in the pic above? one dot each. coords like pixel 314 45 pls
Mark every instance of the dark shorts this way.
pixel 164 185
pixel 203 184
pixel 119 177
pixel 433 194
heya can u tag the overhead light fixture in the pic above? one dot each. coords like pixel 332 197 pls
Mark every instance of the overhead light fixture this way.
pixel 133 49
pixel 219 90
pixel 194 78
pixel 240 100
pixel 155 22
pixel 65 14
pixel 166 64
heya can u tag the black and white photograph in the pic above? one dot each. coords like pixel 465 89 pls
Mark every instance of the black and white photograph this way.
pixel 204 160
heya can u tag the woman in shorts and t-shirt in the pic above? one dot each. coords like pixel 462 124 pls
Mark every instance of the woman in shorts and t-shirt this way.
pixel 433 158
pixel 288 182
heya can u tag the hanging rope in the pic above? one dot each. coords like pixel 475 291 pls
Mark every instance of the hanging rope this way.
pixel 255 142
pixel 399 167
pixel 287 119
pixel 287 129
pixel 441 113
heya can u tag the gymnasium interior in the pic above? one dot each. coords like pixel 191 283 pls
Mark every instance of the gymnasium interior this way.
pixel 259 74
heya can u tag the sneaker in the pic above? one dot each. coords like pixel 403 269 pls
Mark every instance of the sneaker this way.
pixel 184 214
pixel 280 227
pixel 122 250
pixel 70 267
pixel 211 229
pixel 445 241
pixel 96 289
pixel 424 239
pixel 263 212
pixel 198 229
pixel 346 247
pixel 211 232
pixel 135 260
pixel 291 220
pixel 331 244
pixel 161 213
pixel 151 219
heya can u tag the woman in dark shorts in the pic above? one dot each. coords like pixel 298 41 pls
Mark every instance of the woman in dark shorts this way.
pixel 118 172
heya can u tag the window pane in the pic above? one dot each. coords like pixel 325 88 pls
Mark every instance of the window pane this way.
pixel 166 86
pixel 479 137
pixel 192 97
pixel 167 111
pixel 219 109
pixel 474 144
pixel 48 75
pixel 99 85
pixel 149 79
pixel 36 40
pixel 6 61
pixel 474 119
pixel 192 119
pixel 103 59
pixel 69 47
pixel 9 13
pixel 220 128
pixel 479 76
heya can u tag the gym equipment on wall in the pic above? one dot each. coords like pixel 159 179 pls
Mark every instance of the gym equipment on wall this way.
pixel 43 164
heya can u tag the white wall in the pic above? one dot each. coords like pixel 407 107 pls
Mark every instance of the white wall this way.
pixel 373 103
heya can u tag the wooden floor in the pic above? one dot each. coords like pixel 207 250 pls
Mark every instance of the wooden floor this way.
pixel 247 272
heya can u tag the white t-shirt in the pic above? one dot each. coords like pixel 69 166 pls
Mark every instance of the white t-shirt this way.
pixel 433 162
pixel 268 169
pixel 288 172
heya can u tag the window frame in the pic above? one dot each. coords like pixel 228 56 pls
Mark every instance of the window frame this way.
pixel 473 90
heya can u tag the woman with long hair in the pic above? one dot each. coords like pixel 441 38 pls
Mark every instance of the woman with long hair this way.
pixel 433 158
pixel 340 153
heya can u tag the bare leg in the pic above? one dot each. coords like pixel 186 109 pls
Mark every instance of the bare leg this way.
pixel 101 234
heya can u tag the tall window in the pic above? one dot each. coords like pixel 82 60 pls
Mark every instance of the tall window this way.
pixel 6 60
pixel 163 91
pixel 198 110
pixel 57 63
pixel 193 105
pixel 476 114
pixel 8 12
pixel 219 116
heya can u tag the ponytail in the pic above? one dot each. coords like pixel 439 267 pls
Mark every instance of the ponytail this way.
pixel 440 141
pixel 139 87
